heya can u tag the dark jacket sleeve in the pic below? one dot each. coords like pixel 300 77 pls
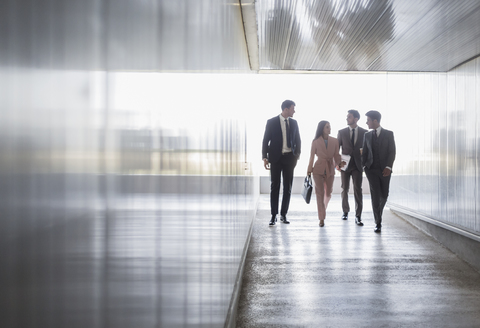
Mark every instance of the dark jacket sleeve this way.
pixel 391 150
pixel 298 148
pixel 267 137
pixel 339 138
pixel 365 150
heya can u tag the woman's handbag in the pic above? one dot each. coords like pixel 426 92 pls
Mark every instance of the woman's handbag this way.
pixel 307 189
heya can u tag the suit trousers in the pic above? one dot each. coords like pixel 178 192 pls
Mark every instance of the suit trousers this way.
pixel 323 191
pixel 379 186
pixel 283 168
pixel 357 179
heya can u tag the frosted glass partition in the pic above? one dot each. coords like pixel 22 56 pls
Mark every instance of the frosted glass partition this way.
pixel 115 210
pixel 124 215
pixel 437 134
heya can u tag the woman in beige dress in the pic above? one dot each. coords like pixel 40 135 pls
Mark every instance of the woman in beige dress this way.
pixel 327 150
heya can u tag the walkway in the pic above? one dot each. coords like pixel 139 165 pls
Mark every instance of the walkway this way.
pixel 342 275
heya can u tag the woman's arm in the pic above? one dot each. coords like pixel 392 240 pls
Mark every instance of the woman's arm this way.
pixel 312 157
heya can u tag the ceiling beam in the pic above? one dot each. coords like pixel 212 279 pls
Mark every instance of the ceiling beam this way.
pixel 249 18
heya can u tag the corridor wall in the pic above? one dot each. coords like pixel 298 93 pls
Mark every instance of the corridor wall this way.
pixel 115 210
pixel 436 176
pixel 436 173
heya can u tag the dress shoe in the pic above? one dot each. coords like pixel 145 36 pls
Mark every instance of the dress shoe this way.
pixel 358 221
pixel 273 220
pixel 345 216
pixel 284 219
pixel 322 223
pixel 378 228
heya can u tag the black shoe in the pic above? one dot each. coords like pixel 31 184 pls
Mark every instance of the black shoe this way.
pixel 284 219
pixel 345 216
pixel 358 221
pixel 378 228
pixel 273 220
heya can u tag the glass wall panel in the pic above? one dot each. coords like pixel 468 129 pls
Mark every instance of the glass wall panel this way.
pixel 437 171
pixel 125 200
pixel 181 163
pixel 476 89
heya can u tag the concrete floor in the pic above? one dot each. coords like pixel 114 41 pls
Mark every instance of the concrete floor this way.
pixel 342 275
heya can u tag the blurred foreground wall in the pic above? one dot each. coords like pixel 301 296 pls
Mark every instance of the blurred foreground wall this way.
pixel 115 211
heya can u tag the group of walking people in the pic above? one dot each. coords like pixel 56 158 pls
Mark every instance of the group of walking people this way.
pixel 370 151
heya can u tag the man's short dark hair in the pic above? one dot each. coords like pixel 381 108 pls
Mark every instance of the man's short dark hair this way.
pixel 374 115
pixel 355 113
pixel 287 104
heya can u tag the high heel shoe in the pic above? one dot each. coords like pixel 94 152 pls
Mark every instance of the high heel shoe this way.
pixel 322 223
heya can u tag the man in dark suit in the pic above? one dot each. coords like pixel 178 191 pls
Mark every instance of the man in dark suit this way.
pixel 280 150
pixel 378 155
pixel 350 139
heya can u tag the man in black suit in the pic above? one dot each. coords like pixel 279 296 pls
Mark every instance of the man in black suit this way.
pixel 280 150
pixel 378 155
pixel 351 140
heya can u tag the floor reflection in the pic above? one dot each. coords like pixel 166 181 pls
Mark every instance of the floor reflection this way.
pixel 343 275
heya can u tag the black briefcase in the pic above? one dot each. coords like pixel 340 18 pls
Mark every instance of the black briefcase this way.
pixel 307 189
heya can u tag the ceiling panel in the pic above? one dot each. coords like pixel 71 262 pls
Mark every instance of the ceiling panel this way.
pixel 367 35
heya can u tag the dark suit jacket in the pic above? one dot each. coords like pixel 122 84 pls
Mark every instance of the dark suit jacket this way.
pixel 387 149
pixel 273 139
pixel 345 142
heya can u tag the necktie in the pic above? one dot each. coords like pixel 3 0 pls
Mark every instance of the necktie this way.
pixel 287 126
pixel 353 137
pixel 374 134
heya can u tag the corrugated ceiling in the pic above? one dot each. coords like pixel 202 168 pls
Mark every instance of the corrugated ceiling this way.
pixel 367 35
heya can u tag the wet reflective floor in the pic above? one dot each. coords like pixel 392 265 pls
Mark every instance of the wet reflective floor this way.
pixel 343 275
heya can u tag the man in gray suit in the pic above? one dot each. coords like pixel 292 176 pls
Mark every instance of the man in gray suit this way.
pixel 378 156
pixel 350 139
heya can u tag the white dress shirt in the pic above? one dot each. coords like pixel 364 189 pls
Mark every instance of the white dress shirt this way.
pixel 283 124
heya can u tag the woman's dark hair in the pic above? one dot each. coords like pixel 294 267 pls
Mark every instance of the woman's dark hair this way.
pixel 320 127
